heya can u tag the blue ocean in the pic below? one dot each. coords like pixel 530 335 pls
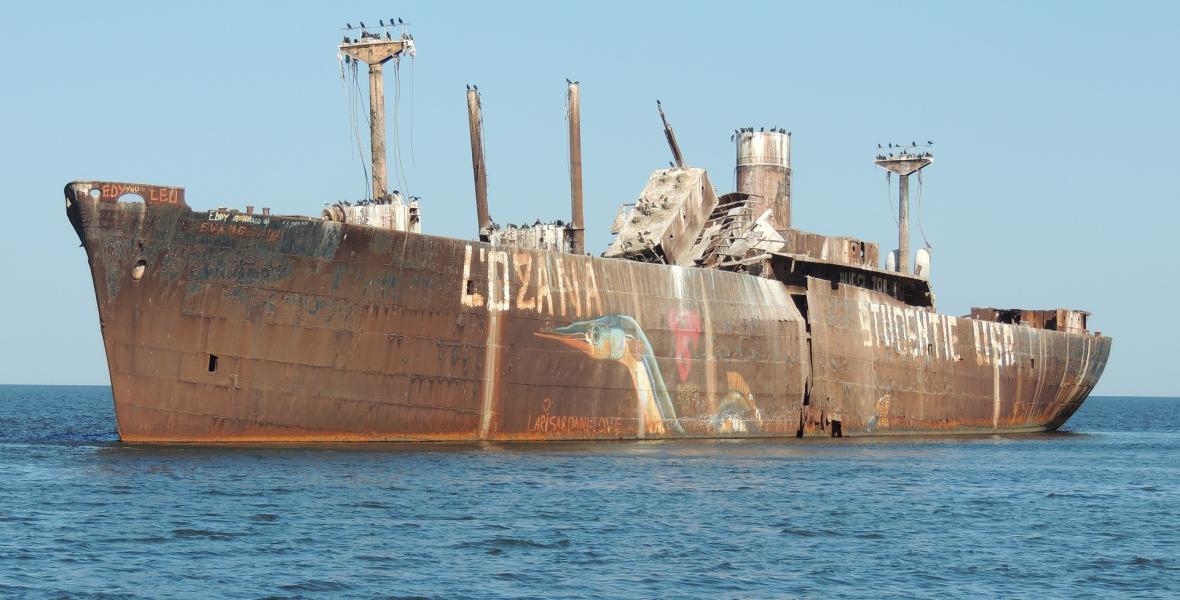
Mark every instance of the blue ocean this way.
pixel 1091 511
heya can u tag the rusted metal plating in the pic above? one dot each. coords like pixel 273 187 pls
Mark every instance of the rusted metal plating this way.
pixel 230 327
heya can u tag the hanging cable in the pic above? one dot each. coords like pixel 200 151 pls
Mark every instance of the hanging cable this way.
pixel 412 161
pixel 923 232
pixel 350 101
pixel 357 110
pixel 889 198
pixel 399 168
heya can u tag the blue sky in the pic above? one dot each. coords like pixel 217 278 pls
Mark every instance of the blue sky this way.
pixel 1055 128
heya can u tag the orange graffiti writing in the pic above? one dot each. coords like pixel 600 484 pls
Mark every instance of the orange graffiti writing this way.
pixel 241 231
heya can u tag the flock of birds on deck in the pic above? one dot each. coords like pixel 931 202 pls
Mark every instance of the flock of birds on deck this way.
pixel 904 151
pixel 366 35
pixel 395 195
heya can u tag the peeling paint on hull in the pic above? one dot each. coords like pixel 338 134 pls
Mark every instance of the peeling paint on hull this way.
pixel 244 328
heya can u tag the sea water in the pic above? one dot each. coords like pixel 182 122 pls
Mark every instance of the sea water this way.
pixel 1093 510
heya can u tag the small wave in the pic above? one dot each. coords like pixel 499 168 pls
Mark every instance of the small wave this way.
pixel 797 532
pixel 201 533
pixel 371 504
pixel 508 543
pixel 450 517
pixel 374 558
pixel 229 494
pixel 151 539
pixel 316 585
pixel 264 517
pixel 1140 561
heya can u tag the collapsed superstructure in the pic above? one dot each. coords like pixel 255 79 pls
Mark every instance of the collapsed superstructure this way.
pixel 709 315
pixel 678 218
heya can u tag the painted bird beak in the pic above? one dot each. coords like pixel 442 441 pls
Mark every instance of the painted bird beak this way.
pixel 569 336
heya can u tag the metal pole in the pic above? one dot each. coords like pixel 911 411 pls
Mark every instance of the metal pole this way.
pixel 377 130
pixel 671 135
pixel 578 243
pixel 903 224
pixel 475 126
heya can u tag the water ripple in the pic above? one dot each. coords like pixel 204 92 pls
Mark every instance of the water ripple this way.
pixel 1080 514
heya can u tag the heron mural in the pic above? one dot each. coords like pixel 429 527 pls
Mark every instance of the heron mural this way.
pixel 619 338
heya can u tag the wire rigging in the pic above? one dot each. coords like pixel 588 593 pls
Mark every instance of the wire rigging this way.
pixel 889 198
pixel 920 188
pixel 358 109
pixel 412 60
pixel 351 99
pixel 398 169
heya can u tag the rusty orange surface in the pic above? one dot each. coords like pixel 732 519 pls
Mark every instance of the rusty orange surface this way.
pixel 222 326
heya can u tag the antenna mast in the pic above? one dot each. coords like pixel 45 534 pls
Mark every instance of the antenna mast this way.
pixel 907 160
pixel 375 51
pixel 671 135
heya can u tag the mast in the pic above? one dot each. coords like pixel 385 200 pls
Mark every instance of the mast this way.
pixel 577 227
pixel 375 52
pixel 906 162
pixel 478 168
pixel 671 135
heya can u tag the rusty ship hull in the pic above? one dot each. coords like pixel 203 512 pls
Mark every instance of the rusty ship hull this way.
pixel 232 327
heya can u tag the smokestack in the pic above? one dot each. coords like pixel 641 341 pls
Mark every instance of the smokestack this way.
pixel 764 170
pixel 475 127
pixel 578 234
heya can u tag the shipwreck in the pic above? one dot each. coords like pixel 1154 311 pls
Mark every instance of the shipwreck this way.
pixel 708 315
